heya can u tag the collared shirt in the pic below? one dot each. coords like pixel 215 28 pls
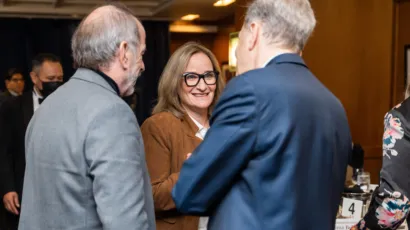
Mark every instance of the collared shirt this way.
pixel 266 63
pixel 109 80
pixel 36 97
pixel 203 221
pixel 13 93
pixel 269 60
pixel 201 129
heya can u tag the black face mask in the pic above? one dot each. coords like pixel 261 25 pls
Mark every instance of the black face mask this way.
pixel 50 87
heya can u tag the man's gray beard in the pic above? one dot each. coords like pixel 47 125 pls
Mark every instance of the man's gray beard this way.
pixel 132 78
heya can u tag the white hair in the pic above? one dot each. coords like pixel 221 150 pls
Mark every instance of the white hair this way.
pixel 96 41
pixel 288 23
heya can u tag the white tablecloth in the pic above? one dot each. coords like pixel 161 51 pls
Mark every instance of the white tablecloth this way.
pixel 346 224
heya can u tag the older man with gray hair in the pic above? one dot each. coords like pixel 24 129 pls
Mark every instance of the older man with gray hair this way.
pixel 276 154
pixel 85 156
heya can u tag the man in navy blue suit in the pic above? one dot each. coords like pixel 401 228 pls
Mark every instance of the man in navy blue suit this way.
pixel 276 154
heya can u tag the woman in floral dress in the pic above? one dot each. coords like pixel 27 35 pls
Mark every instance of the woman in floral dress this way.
pixel 390 204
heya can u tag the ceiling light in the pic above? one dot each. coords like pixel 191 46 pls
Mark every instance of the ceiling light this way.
pixel 192 29
pixel 223 3
pixel 190 17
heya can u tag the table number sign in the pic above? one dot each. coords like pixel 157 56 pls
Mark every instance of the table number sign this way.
pixel 352 208
pixel 345 224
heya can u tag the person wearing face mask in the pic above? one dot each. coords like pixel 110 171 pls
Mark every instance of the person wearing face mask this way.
pixel 47 76
pixel 15 115
pixel 189 88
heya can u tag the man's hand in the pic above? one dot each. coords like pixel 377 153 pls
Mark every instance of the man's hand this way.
pixel 188 155
pixel 11 202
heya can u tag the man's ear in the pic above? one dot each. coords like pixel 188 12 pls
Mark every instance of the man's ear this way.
pixel 123 55
pixel 33 77
pixel 254 29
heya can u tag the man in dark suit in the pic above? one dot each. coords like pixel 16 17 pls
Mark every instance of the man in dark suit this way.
pixel 14 81
pixel 276 154
pixel 15 115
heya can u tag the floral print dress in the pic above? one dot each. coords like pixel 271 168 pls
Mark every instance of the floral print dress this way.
pixel 389 206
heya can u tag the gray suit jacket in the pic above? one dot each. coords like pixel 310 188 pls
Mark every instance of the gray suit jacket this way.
pixel 85 159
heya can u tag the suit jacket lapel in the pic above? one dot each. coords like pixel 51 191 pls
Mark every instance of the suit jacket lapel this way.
pixel 190 128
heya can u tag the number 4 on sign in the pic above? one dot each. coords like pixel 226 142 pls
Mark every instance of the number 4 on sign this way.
pixel 352 208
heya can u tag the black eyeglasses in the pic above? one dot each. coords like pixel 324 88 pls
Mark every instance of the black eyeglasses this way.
pixel 192 79
pixel 17 80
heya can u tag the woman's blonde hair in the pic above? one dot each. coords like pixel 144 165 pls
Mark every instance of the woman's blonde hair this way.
pixel 170 82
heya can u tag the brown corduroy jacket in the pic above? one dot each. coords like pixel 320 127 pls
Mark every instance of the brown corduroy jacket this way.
pixel 167 141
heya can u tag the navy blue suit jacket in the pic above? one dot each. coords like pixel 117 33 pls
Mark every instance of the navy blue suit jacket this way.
pixel 275 156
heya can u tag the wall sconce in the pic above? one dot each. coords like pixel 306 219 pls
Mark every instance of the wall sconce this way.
pixel 233 43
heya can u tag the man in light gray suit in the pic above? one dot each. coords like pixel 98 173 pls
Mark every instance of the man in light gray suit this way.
pixel 85 165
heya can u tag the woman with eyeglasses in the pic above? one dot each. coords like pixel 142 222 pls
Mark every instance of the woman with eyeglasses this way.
pixel 188 91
